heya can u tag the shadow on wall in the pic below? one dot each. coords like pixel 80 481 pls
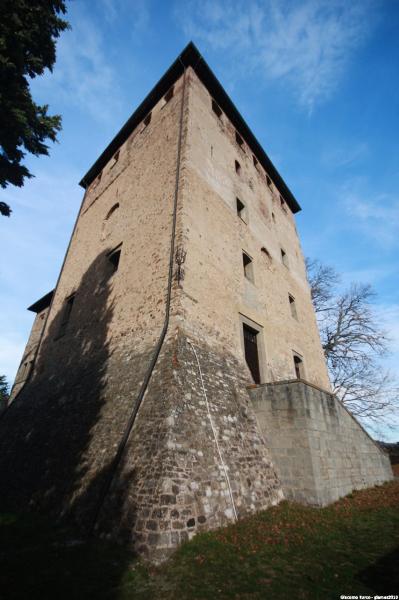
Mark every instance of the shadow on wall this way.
pixel 53 454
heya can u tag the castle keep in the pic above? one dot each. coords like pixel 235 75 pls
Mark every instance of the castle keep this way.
pixel 174 380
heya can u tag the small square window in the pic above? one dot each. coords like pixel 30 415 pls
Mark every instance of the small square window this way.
pixel 291 300
pixel 216 109
pixel 284 258
pixel 239 140
pixel 115 159
pixel 168 96
pixel 237 167
pixel 147 120
pixel 248 267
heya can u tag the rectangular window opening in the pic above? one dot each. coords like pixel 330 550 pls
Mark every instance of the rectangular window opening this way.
pixel 298 366
pixel 114 258
pixel 216 109
pixel 241 210
pixel 147 120
pixel 168 96
pixel 115 159
pixel 66 315
pixel 268 181
pixel 291 300
pixel 256 162
pixel 284 258
pixel 237 167
pixel 239 140
pixel 251 351
pixel 248 267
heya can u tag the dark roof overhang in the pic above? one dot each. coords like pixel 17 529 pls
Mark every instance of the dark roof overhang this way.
pixel 191 57
pixel 43 303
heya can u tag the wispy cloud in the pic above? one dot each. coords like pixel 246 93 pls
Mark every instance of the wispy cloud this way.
pixel 305 44
pixel 378 218
pixel 345 154
pixel 83 74
pixel 136 11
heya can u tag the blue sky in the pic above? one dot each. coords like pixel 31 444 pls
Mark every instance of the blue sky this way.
pixel 317 81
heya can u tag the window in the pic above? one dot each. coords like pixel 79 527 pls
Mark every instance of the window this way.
pixel 291 300
pixel 266 254
pixel 268 181
pixel 237 167
pixel 168 96
pixel 97 180
pixel 273 217
pixel 256 162
pixel 251 351
pixel 298 366
pixel 282 203
pixel 114 257
pixel 66 315
pixel 239 140
pixel 248 267
pixel 147 121
pixel 216 109
pixel 284 258
pixel 241 210
pixel 115 159
pixel 110 221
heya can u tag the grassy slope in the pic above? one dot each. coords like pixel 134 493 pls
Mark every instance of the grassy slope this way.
pixel 289 551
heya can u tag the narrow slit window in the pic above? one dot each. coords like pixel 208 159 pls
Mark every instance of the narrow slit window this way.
pixel 251 351
pixel 273 217
pixel 298 366
pixel 282 203
pixel 284 258
pixel 237 167
pixel 239 140
pixel 97 180
pixel 169 95
pixel 292 303
pixel 248 267
pixel 216 109
pixel 268 181
pixel 256 163
pixel 241 210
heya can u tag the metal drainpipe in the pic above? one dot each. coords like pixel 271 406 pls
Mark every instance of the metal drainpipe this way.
pixel 122 444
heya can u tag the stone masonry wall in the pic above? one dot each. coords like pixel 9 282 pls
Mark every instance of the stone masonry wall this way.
pixel 320 451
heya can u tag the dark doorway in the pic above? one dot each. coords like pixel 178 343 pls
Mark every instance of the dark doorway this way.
pixel 251 351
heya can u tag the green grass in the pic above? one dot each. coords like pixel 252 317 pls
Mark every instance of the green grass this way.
pixel 289 551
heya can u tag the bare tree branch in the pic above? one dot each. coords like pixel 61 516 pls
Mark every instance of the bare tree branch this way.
pixel 354 343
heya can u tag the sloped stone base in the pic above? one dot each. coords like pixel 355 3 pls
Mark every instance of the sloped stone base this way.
pixel 320 451
pixel 58 439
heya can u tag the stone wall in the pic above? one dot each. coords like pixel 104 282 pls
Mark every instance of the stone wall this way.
pixel 320 451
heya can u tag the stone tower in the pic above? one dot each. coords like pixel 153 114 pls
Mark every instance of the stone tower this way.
pixel 183 284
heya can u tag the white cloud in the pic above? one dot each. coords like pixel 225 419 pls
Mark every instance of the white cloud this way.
pixel 345 154
pixel 83 74
pixel 378 218
pixel 305 44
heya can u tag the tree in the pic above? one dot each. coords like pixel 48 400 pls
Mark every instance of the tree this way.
pixel 4 395
pixel 354 344
pixel 28 33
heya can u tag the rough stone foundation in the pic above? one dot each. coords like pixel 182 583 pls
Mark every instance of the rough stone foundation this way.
pixel 56 447
pixel 320 451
